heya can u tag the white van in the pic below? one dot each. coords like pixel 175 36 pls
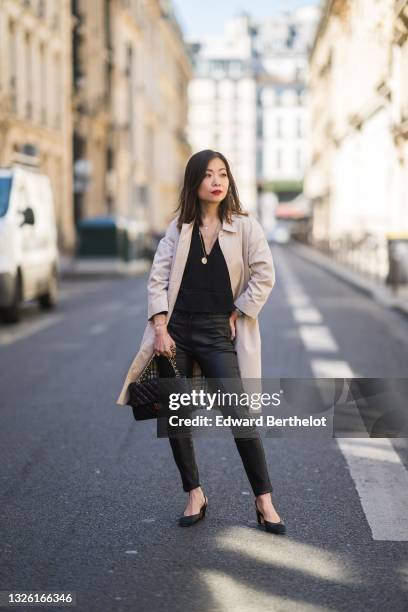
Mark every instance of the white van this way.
pixel 29 263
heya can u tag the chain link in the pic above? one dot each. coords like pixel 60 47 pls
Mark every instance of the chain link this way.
pixel 145 372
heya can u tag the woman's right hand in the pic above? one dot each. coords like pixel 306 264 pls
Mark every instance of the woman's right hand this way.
pixel 163 341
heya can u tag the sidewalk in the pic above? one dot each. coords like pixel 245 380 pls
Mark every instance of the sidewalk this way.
pixel 72 267
pixel 381 293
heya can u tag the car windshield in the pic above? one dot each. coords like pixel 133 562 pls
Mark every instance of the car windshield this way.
pixel 5 187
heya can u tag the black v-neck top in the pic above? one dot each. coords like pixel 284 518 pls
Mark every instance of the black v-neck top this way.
pixel 205 287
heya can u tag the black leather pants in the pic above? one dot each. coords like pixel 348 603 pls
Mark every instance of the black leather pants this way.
pixel 206 337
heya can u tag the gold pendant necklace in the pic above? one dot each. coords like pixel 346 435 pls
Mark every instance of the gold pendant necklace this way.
pixel 204 259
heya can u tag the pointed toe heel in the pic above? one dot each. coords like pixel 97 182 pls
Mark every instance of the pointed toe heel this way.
pixel 270 527
pixel 186 521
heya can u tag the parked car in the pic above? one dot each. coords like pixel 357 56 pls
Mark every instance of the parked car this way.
pixel 281 233
pixel 29 264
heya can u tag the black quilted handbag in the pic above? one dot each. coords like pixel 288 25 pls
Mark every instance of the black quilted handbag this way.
pixel 149 391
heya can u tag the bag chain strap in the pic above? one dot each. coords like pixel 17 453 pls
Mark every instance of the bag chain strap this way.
pixel 172 360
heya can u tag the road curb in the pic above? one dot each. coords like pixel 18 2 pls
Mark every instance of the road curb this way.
pixel 380 293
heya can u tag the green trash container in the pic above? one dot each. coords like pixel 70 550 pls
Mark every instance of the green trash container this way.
pixel 97 237
pixel 111 236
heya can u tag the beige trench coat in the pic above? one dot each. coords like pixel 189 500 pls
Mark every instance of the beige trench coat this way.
pixel 252 274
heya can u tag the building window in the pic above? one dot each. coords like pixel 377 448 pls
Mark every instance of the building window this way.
pixel 218 68
pixel 278 127
pixel 41 9
pixel 259 163
pixel 43 86
pixel 55 19
pixel 278 159
pixel 299 133
pixel 128 60
pixel 298 160
pixel 58 91
pixel 236 90
pixel 13 72
pixel 235 69
pixel 259 126
pixel 29 74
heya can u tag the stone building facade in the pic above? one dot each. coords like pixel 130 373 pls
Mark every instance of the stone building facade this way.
pixel 35 95
pixel 95 91
pixel 357 178
pixel 130 89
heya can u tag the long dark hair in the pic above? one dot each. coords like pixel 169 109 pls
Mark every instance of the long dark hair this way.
pixel 188 202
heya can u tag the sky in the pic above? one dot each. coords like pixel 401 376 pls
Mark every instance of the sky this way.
pixel 198 17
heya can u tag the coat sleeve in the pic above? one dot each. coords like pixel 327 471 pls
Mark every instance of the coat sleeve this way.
pixel 158 281
pixel 261 271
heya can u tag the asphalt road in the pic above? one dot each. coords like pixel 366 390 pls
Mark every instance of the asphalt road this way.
pixel 90 498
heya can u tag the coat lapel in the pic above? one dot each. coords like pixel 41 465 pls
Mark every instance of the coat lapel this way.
pixel 180 260
pixel 229 242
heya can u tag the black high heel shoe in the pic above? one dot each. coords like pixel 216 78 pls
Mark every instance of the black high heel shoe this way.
pixel 279 528
pixel 186 521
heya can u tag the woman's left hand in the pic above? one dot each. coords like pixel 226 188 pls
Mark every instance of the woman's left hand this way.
pixel 232 319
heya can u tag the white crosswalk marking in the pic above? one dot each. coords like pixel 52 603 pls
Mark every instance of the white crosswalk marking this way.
pixel 331 368
pixel 379 476
pixel 382 485
pixel 307 315
pixel 318 338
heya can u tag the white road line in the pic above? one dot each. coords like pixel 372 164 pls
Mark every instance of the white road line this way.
pixel 331 368
pixel 382 485
pixel 298 300
pixel 318 338
pixel 380 478
pixel 307 315
pixel 24 330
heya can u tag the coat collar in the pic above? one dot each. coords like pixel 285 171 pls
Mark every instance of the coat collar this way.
pixel 229 227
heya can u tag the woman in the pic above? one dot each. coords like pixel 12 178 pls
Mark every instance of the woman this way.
pixel 211 275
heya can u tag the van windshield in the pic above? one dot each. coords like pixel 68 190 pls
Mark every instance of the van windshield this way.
pixel 5 187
